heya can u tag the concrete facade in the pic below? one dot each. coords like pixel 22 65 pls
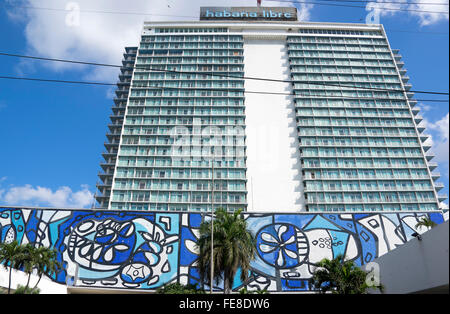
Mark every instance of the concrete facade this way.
pixel 340 132
pixel 273 166
pixel 419 266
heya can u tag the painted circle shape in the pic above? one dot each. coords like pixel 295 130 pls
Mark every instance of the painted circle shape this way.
pixel 278 245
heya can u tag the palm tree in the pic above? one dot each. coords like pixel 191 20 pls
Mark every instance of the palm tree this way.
pixel 341 277
pixel 234 248
pixel 12 256
pixel 425 222
pixel 42 259
pixel 46 262
pixel 29 257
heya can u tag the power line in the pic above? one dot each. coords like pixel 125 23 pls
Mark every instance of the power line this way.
pixel 415 32
pixel 358 6
pixel 54 81
pixel 145 67
pixel 212 89
pixel 59 60
pixel 365 1
pixel 97 11
pixel 196 17
pixel 169 15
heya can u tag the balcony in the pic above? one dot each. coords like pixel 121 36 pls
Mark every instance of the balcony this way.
pixel 119 109
pixel 127 67
pixel 124 84
pixel 367 189
pixel 435 175
pixel 107 155
pixel 424 136
pixel 115 117
pixel 101 198
pixel 420 128
pixel 105 175
pixel 400 64
pixel 113 134
pixel 117 124
pixel 438 186
pixel 442 197
pixel 112 144
pixel 121 90
pixel 118 100
pixel 102 186
pixel 125 75
pixel 107 165
pixel 430 156
pixel 418 119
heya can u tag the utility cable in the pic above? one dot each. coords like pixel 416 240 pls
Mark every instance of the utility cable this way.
pixel 150 68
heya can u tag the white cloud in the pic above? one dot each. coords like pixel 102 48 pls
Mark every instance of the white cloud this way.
pixel 420 9
pixel 101 37
pixel 63 197
pixel 439 141
pixel 430 18
pixel 423 107
pixel 304 11
pixel 440 130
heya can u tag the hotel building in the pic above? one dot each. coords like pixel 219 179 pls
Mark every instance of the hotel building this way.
pixel 299 117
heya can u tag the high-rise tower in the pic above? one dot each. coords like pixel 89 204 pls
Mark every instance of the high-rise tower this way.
pixel 285 116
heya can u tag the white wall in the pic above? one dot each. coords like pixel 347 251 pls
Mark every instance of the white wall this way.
pixel 418 266
pixel 273 168
pixel 46 286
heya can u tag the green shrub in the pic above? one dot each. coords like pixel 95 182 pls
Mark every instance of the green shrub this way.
pixel 26 290
pixel 177 288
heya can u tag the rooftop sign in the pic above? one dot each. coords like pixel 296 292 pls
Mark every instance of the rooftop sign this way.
pixel 249 13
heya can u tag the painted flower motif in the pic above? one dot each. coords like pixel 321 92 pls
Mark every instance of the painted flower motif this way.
pixel 136 273
pixel 277 245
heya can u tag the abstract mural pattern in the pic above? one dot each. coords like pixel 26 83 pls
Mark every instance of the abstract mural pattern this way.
pixel 145 250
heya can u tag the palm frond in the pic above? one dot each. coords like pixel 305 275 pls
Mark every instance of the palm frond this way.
pixel 234 247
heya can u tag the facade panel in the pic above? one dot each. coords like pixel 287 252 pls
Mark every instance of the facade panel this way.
pixel 359 143
pixel 185 111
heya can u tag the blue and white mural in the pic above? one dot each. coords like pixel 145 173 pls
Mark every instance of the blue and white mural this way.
pixel 145 250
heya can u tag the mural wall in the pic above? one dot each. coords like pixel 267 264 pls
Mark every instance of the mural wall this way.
pixel 145 250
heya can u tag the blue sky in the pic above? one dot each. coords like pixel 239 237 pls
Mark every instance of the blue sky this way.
pixel 52 135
